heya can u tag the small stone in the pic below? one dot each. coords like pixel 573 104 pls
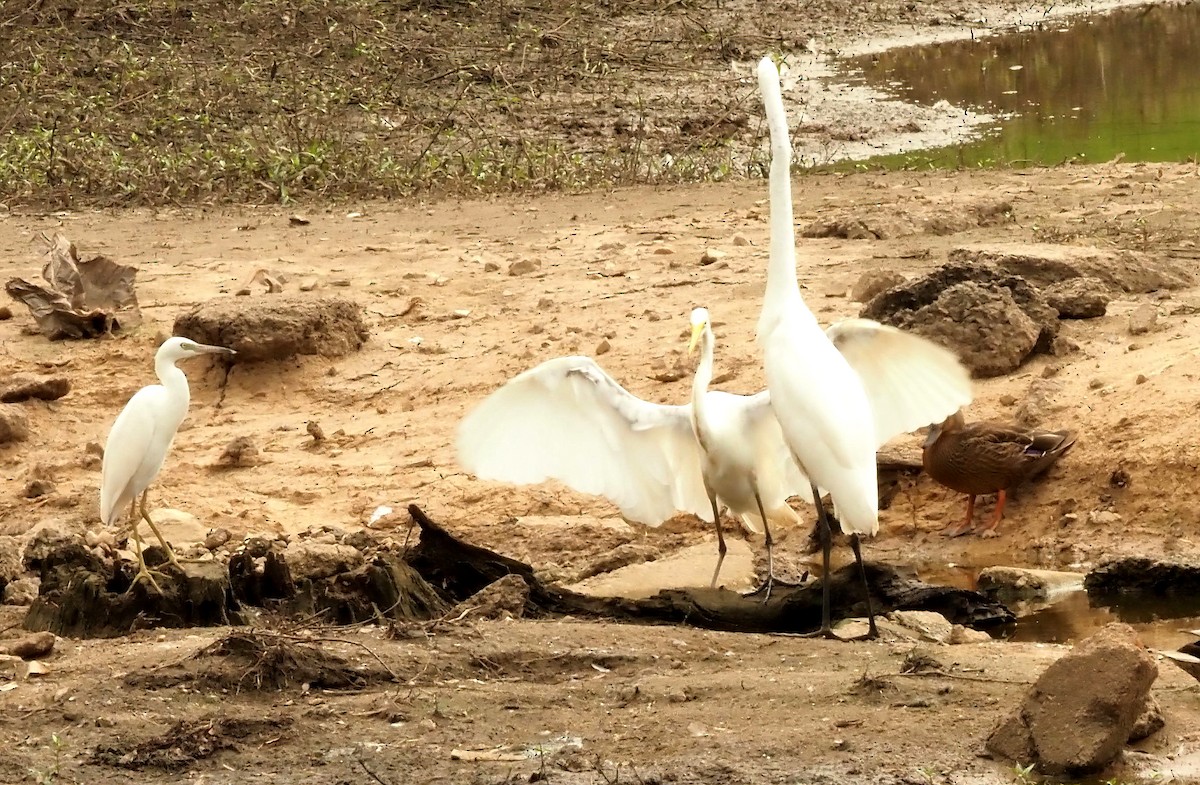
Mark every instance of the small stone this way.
pixel 1007 399
pixel 928 624
pixel 1103 518
pixel 22 591
pixel 873 282
pixel 711 255
pixel 436 279
pixel 1051 369
pixel 1143 319
pixel 341 282
pixel 962 635
pixel 1095 384
pixel 216 538
pixel 1148 723
pixel 664 250
pixel 298 220
pixel 240 452
pixel 1141 379
pixel 503 598
pixel 604 347
pixel 490 267
pixel 308 284
pixel 5 313
pixel 14 425
pixel 35 668
pixel 740 240
pixel 33 647
pixel 524 267
pixel 37 488
pixel 48 388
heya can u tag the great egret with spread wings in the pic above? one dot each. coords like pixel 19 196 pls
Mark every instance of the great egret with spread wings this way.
pixel 568 420
pixel 839 394
pixel 140 438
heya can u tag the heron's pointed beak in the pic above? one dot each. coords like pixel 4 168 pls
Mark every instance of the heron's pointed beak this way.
pixel 697 331
pixel 214 349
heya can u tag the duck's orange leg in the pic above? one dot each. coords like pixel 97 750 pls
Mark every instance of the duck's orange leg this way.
pixel 965 525
pixel 990 529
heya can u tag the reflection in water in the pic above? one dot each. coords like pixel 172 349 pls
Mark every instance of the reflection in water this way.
pixel 1162 622
pixel 1127 83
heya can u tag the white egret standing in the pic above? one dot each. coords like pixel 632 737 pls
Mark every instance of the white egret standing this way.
pixel 835 412
pixel 140 438
pixel 568 420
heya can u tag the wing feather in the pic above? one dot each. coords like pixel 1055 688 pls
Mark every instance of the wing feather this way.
pixel 129 442
pixel 568 420
pixel 778 475
pixel 910 381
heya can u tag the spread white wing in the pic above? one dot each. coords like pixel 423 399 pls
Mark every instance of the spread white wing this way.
pixel 568 420
pixel 909 380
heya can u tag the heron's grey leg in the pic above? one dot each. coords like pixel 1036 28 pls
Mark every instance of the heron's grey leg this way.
pixel 161 540
pixel 826 534
pixel 721 547
pixel 769 542
pixel 873 631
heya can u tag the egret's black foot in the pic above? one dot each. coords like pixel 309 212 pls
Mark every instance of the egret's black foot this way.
pixel 824 632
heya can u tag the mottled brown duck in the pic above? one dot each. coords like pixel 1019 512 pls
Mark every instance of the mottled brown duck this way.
pixel 984 458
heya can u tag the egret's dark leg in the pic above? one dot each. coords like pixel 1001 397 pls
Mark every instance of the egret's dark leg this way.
pixel 770 556
pixel 161 540
pixel 143 574
pixel 872 631
pixel 826 534
pixel 721 547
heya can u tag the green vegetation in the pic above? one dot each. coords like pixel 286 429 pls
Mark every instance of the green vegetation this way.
pixel 167 101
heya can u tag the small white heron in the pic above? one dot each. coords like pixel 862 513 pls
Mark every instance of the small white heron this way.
pixel 834 413
pixel 568 420
pixel 139 441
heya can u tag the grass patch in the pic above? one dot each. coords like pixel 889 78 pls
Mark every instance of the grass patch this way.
pixel 167 101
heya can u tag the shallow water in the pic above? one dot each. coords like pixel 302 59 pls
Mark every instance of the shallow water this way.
pixel 1162 622
pixel 1127 84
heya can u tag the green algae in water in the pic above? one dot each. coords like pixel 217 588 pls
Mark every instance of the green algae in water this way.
pixel 1125 83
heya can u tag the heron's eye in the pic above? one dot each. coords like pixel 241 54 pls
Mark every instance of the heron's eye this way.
pixel 188 347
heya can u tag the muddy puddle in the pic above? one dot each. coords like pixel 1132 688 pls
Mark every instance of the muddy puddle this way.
pixel 1072 615
pixel 1127 83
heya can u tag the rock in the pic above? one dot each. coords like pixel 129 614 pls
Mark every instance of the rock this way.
pixel 878 227
pixel 961 635
pixel 623 555
pixel 929 625
pixel 38 487
pixel 854 628
pixel 1083 708
pixel 240 452
pixel 604 347
pixel 874 282
pixel 741 240
pixel 711 255
pixel 524 267
pixel 1043 264
pixel 14 425
pixel 1011 584
pixel 11 566
pixel 992 319
pixel 277 328
pixel 5 313
pixel 216 538
pixel 50 545
pixel 1078 298
pixel 312 560
pixel 1141 576
pixel 501 599
pixel 1148 723
pixel 33 647
pixel 43 388
pixel 22 591
pixel 1143 319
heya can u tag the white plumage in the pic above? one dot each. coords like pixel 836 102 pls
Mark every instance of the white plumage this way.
pixel 568 420
pixel 839 396
pixel 141 437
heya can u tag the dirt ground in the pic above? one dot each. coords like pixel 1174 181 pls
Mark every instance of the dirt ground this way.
pixel 607 704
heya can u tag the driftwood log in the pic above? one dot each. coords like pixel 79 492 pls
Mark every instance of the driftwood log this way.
pixel 460 569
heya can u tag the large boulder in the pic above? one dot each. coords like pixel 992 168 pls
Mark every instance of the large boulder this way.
pixel 993 320
pixel 1044 264
pixel 277 327
pixel 1078 298
pixel 1083 709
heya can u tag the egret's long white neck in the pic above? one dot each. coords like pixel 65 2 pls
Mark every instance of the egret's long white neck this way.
pixel 783 293
pixel 704 371
pixel 175 381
